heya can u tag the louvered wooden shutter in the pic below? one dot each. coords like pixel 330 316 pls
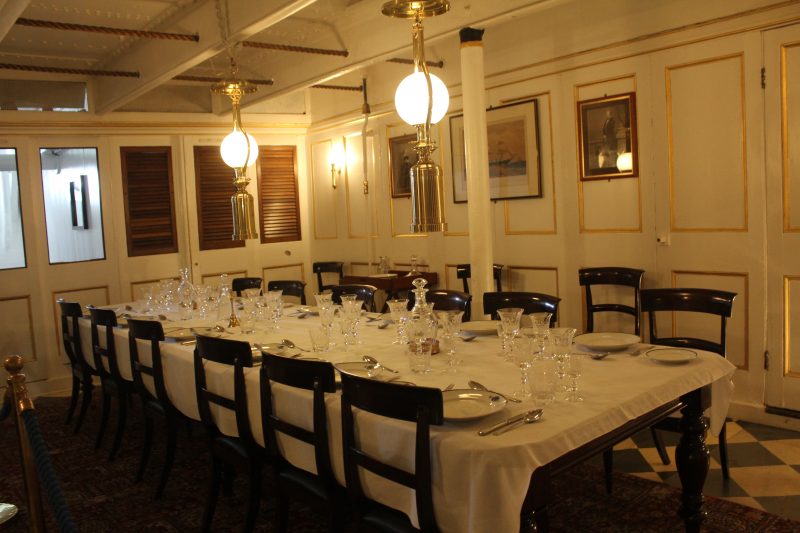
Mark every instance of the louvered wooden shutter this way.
pixel 214 183
pixel 277 194
pixel 149 202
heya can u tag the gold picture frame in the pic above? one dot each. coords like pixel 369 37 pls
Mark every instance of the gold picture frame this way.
pixel 402 157
pixel 607 141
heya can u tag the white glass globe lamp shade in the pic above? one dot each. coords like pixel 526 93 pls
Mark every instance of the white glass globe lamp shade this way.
pixel 411 102
pixel 234 150
pixel 625 162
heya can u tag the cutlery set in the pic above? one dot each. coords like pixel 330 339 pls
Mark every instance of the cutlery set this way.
pixel 510 423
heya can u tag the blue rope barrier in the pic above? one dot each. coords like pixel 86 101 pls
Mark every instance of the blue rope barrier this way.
pixel 47 475
pixel 5 410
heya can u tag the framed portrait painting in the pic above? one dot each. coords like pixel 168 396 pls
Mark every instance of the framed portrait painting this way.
pixel 513 141
pixel 607 146
pixel 402 157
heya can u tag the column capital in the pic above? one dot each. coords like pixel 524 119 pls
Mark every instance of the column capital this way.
pixel 471 36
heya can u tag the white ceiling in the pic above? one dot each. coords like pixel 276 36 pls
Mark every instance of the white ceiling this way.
pixel 353 25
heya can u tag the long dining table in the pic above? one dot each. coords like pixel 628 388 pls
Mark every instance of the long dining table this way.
pixel 495 483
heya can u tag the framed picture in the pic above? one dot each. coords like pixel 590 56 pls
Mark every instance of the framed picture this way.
pixel 402 157
pixel 607 137
pixel 513 137
pixel 79 202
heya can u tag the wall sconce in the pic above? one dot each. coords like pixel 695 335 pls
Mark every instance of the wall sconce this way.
pixel 239 150
pixel 336 158
pixel 417 107
pixel 625 162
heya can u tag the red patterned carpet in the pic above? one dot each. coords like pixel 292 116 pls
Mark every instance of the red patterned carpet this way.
pixel 103 497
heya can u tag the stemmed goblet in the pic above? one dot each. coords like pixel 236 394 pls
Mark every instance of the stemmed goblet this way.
pixel 562 341
pixel 522 354
pixel 574 365
pixel 399 312
pixel 451 324
pixel 509 327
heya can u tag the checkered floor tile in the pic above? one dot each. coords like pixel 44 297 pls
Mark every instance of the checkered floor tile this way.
pixel 764 465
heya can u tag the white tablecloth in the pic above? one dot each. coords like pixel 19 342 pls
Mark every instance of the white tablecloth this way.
pixel 479 482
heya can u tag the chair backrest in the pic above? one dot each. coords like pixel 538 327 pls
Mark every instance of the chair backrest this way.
pixel 530 302
pixel 622 276
pixel 316 376
pixel 464 272
pixel 240 284
pixel 223 352
pixel 365 293
pixel 445 300
pixel 709 301
pixel 105 357
pixel 290 287
pixel 143 371
pixel 327 266
pixel 421 405
pixel 71 333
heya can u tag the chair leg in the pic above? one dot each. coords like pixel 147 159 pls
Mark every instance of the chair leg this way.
pixel 148 443
pixel 169 456
pixel 608 467
pixel 122 415
pixel 228 474
pixel 86 400
pixel 253 498
pixel 73 401
pixel 723 452
pixel 213 493
pixel 103 418
pixel 660 448
pixel 282 509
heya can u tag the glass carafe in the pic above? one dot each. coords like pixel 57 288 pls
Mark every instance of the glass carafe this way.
pixel 185 295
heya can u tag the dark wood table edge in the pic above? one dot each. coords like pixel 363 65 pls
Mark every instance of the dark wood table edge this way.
pixel 691 458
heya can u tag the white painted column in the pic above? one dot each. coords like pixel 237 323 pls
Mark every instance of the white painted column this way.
pixel 479 208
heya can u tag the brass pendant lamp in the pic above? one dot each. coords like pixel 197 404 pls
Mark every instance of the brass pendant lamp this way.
pixel 239 150
pixel 418 109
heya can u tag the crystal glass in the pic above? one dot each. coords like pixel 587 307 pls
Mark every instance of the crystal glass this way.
pixel 562 341
pixel 350 318
pixel 224 303
pixel 203 299
pixel 246 313
pixel 420 332
pixel 166 299
pixel 324 299
pixel 149 300
pixel 544 378
pixel 574 366
pixel 522 354
pixel 451 326
pixel 509 323
pixel 540 323
pixel 398 309
pixel 320 339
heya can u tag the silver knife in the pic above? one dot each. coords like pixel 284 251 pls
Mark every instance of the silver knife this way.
pixel 506 422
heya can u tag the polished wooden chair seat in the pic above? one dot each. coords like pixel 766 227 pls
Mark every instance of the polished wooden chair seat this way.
pixel 706 301
pixel 530 302
pixel 148 380
pixel 445 300
pixel 294 288
pixel 619 276
pixel 320 489
pixel 464 272
pixel 421 406
pixel 81 370
pixel 239 451
pixel 365 293
pixel 113 384
pixel 239 285
pixel 321 267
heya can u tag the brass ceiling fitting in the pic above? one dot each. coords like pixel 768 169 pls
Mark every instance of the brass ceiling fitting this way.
pixel 408 9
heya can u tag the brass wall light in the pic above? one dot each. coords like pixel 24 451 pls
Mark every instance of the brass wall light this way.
pixel 336 158
pixel 239 150
pixel 416 107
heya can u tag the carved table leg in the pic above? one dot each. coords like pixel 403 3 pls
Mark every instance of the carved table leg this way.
pixel 692 458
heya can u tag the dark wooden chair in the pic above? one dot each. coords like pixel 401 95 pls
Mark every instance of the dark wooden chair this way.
pixel 148 379
pixel 82 371
pixel 419 405
pixel 112 383
pixel 321 489
pixel 240 284
pixel 237 451
pixel 620 276
pixel 321 267
pixel 292 287
pixel 531 302
pixel 464 272
pixel 708 301
pixel 445 300
pixel 365 293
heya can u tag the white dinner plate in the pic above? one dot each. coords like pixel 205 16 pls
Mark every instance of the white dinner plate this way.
pixel 180 334
pixel 607 342
pixel 360 369
pixel 468 404
pixel 671 356
pixel 480 327
pixel 276 348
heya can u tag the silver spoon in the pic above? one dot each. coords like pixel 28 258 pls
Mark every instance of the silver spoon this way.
pixel 530 418
pixel 383 324
pixel 479 386
pixel 373 361
pixel 599 356
pixel 467 337
pixel 290 344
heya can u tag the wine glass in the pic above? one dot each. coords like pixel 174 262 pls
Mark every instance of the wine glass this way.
pixel 541 329
pixel 399 312
pixel 574 365
pixel 451 324
pixel 562 341
pixel 509 327
pixel 522 354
